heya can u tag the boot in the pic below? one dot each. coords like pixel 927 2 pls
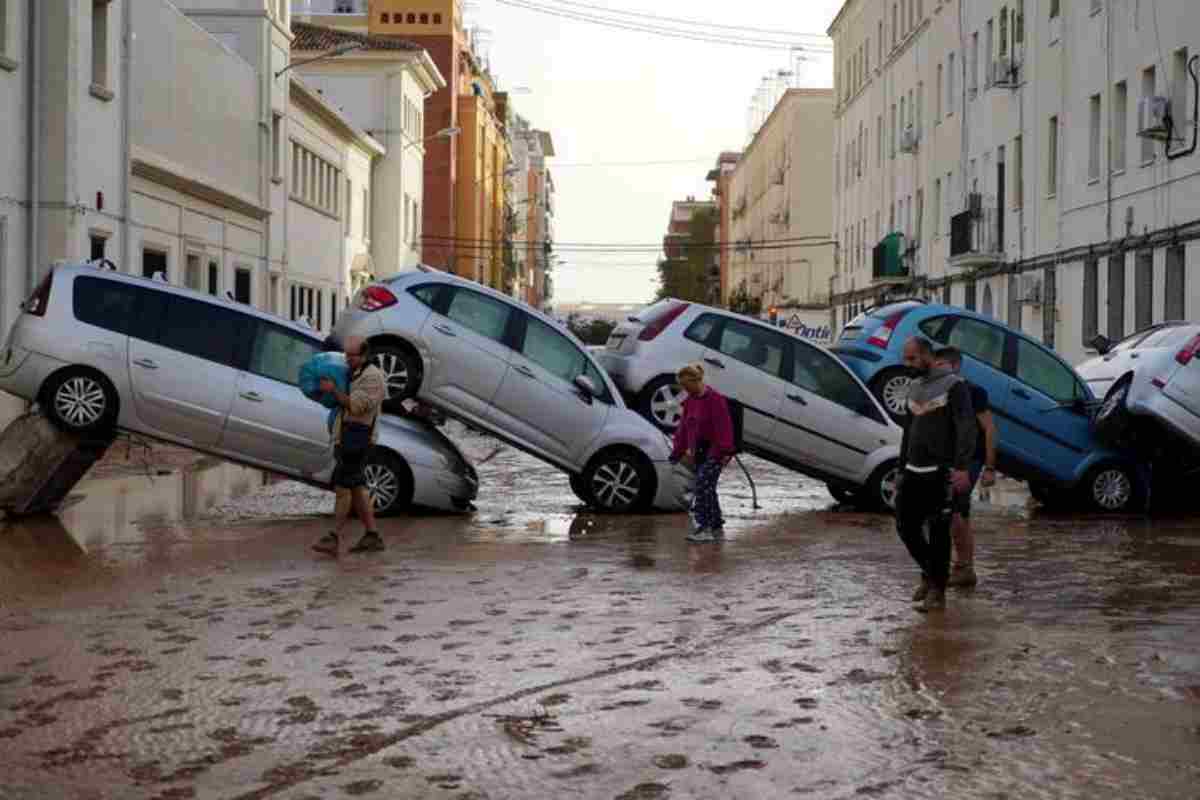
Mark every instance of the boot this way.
pixel 934 601
pixel 328 544
pixel 922 590
pixel 369 543
pixel 963 575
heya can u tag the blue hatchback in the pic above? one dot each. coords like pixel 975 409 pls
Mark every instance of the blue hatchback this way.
pixel 1043 410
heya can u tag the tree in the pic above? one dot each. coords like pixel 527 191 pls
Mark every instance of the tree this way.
pixel 742 302
pixel 685 278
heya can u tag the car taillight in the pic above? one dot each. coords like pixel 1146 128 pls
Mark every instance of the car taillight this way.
pixel 37 303
pixel 883 335
pixel 1189 351
pixel 1158 383
pixel 659 325
pixel 374 298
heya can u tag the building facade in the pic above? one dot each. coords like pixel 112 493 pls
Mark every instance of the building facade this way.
pixel 781 220
pixel 1010 157
pixel 721 177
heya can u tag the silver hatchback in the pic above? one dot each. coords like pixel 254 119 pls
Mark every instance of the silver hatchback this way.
pixel 804 409
pixel 98 349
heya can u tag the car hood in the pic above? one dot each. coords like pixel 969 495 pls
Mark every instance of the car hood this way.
pixel 1106 368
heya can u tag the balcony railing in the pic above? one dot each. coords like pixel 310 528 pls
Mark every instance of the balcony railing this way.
pixel 975 238
pixel 887 260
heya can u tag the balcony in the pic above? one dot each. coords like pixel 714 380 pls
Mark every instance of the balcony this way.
pixel 887 261
pixel 975 239
pixel 321 7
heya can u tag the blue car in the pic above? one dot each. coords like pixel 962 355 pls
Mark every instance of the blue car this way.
pixel 1043 410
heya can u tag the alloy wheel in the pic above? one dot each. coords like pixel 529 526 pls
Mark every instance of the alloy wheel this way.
pixel 383 485
pixel 616 484
pixel 895 394
pixel 395 372
pixel 1112 489
pixel 888 487
pixel 80 401
pixel 1114 402
pixel 666 405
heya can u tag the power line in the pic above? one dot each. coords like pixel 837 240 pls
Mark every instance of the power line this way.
pixel 689 22
pixel 675 33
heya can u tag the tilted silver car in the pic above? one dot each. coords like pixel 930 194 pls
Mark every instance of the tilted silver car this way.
pixel 803 408
pixel 1150 383
pixel 98 349
pixel 500 366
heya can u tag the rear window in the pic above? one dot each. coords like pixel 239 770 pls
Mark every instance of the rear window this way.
pixel 652 313
pixel 106 304
pixel 1173 337
pixel 883 312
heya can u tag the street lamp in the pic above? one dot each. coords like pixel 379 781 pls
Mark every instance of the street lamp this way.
pixel 340 50
pixel 444 133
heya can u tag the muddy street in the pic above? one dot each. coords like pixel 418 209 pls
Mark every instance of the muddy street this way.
pixel 161 647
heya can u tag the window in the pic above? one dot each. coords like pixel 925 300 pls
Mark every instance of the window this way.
pixel 100 45
pixel 983 342
pixel 1148 85
pixel 104 303
pixel 384 18
pixel 1018 172
pixel 988 49
pixel 279 353
pixel 437 19
pixel 1120 125
pixel 1096 6
pixel 880 43
pixel 241 285
pixel 411 19
pixel 1116 296
pixel 919 222
pixel 424 19
pixel 937 116
pixel 973 74
pixel 1039 370
pixel 315 182
pixel 752 345
pixel 201 329
pixel 153 261
pixel 427 293
pixel 937 207
pixel 1003 32
pixel 277 146
pixel 879 140
pixel 1179 90
pixel 820 374
pixel 867 56
pixel 3 27
pixel 191 273
pixel 1143 295
pixel 366 213
pixel 895 23
pixel 214 278
pixel 552 351
pixel 1091 299
pixel 97 244
pixel 482 314
pixel 969 296
pixel 892 138
pixel 1094 138
pixel 1054 9
pixel 1052 158
pixel 919 109
pixel 950 84
pixel 1175 306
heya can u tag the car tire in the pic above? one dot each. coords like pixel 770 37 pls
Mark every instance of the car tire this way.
pixel 80 400
pixel 1047 495
pixel 1112 488
pixel 389 482
pixel 890 387
pixel 403 371
pixel 619 480
pixel 880 491
pixel 1113 420
pixel 661 402
pixel 841 494
pixel 579 487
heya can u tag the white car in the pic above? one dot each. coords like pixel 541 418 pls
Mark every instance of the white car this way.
pixel 100 350
pixel 502 367
pixel 803 408
pixel 1150 383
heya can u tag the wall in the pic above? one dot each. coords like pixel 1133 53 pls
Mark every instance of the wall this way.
pixel 14 188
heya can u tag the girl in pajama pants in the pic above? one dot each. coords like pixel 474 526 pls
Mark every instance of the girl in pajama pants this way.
pixel 704 440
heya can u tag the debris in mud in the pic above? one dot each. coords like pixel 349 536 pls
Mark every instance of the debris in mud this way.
pixel 570 746
pixel 922 713
pixel 577 772
pixel 671 761
pixel 875 789
pixel 1015 732
pixel 793 722
pixel 806 702
pixel 736 766
pixel 645 791
pixel 761 742
pixel 446 780
pixel 645 686
pixel 861 677
pixel 524 729
pixel 362 787
pixel 400 762
pixel 703 705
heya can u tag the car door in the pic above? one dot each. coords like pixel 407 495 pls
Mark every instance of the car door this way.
pixel 827 419
pixel 1051 431
pixel 1183 384
pixel 271 422
pixel 746 363
pixel 106 308
pixel 538 401
pixel 183 365
pixel 983 346
pixel 466 336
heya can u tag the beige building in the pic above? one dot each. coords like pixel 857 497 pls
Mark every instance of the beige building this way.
pixel 778 193
pixel 1017 149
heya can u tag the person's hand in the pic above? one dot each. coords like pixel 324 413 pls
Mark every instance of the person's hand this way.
pixel 988 477
pixel 960 479
pixel 328 386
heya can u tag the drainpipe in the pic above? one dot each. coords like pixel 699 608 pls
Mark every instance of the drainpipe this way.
pixel 126 139
pixel 1108 179
pixel 34 156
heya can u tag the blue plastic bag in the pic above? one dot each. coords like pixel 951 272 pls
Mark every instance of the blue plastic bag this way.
pixel 325 365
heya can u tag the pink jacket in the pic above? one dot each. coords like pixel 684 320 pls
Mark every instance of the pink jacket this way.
pixel 705 419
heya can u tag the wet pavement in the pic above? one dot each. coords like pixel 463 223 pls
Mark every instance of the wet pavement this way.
pixel 537 650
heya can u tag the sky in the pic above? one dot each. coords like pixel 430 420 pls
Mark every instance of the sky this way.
pixel 611 96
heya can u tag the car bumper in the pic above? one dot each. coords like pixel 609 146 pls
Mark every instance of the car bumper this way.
pixel 22 372
pixel 443 490
pixel 675 485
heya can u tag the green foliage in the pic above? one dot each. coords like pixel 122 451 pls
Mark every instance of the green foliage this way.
pixel 595 332
pixel 685 278
pixel 742 302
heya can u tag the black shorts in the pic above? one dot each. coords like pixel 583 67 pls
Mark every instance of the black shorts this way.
pixel 351 457
pixel 962 502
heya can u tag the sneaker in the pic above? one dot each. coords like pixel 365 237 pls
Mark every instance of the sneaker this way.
pixel 702 536
pixel 922 590
pixel 328 544
pixel 369 543
pixel 934 601
pixel 719 532
pixel 963 575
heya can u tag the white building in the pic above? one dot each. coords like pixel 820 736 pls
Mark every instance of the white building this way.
pixel 1025 115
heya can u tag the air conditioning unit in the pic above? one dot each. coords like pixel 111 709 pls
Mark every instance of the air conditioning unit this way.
pixel 975 204
pixel 1031 289
pixel 1152 117
pixel 908 140
pixel 1004 73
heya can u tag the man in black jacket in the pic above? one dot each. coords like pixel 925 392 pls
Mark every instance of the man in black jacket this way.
pixel 935 454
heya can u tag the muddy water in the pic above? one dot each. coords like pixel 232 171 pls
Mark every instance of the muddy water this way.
pixel 535 650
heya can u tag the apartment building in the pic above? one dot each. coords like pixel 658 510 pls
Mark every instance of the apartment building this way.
pixel 1013 157
pixel 721 176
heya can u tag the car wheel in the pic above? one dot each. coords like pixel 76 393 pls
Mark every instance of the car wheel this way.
pixel 891 387
pixel 662 403
pixel 619 480
pixel 80 400
pixel 1112 488
pixel 579 487
pixel 1046 494
pixel 841 493
pixel 402 370
pixel 389 482
pixel 882 487
pixel 1112 420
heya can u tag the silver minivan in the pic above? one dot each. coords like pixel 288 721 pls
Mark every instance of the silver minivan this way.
pixel 100 350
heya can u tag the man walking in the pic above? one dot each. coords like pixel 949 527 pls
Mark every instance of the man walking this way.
pixel 354 435
pixel 935 453
pixel 982 471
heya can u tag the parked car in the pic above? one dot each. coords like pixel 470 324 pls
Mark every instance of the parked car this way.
pixel 1150 383
pixel 1043 409
pixel 502 367
pixel 97 349
pixel 804 409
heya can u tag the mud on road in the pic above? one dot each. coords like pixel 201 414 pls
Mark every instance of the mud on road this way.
pixel 537 650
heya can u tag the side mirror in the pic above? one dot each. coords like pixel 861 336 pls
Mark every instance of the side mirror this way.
pixel 586 387
pixel 1101 344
